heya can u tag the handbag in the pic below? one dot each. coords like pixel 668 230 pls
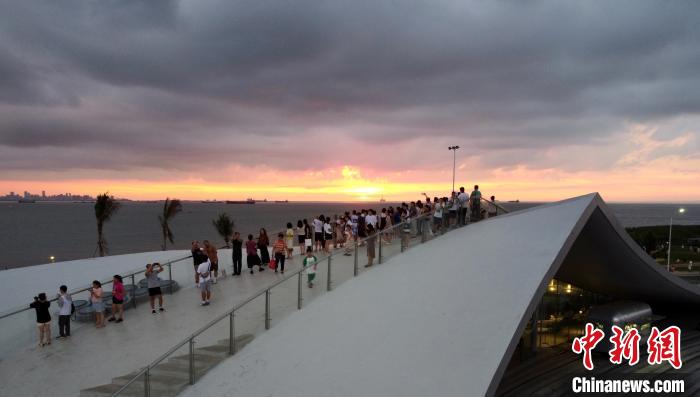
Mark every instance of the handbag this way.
pixel 308 242
pixel 273 264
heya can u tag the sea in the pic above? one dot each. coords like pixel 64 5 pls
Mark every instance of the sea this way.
pixel 32 233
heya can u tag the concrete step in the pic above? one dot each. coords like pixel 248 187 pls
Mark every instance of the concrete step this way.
pixel 170 377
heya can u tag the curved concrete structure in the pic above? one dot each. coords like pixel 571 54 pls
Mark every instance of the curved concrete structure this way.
pixel 445 318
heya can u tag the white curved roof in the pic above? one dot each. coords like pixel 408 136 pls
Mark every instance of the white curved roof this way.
pixel 441 319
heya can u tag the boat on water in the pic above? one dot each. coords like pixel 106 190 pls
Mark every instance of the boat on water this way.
pixel 514 201
pixel 281 201
pixel 382 200
pixel 26 201
pixel 247 201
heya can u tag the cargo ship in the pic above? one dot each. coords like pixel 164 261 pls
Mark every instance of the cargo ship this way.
pixel 248 201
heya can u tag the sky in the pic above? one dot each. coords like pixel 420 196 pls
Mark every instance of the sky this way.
pixel 351 100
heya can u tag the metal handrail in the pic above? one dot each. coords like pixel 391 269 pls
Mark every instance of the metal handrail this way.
pixel 77 291
pixel 265 290
pixel 500 207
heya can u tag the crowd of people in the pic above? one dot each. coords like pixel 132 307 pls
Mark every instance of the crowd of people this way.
pixel 322 234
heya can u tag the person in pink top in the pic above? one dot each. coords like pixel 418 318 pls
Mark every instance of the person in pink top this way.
pixel 96 301
pixel 117 299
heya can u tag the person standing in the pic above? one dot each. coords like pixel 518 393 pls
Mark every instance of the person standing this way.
pixel 205 281
pixel 97 305
pixel 252 258
pixel 327 235
pixel 301 237
pixel 237 253
pixel 289 240
pixel 362 226
pixel 213 256
pixel 437 215
pixel 463 206
pixel 117 299
pixel 198 257
pixel 43 318
pixel 263 243
pixel 371 239
pixel 278 250
pixel 405 228
pixel 310 263
pixel 493 210
pixel 65 303
pixel 154 290
pixel 318 233
pixel 475 199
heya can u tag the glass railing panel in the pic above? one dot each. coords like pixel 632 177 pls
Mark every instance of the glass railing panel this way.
pixel 170 376
pixel 249 319
pixel 284 299
pixel 212 347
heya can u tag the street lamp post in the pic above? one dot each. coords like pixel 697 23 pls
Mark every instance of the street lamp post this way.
pixel 454 162
pixel 670 230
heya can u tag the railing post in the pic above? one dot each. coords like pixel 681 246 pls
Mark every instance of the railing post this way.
pixel 231 336
pixel 355 264
pixel 147 382
pixel 328 283
pixel 267 309
pixel 299 291
pixel 170 276
pixel 191 361
pixel 133 288
pixel 423 234
pixel 381 235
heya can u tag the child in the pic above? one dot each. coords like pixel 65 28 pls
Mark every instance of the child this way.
pixel 310 266
pixel 66 308
pixel 205 281
pixel 251 249
pixel 154 286
pixel 278 250
pixel 117 299
pixel 97 305
pixel 289 240
pixel 43 318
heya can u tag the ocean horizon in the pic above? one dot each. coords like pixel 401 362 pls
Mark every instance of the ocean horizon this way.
pixel 31 233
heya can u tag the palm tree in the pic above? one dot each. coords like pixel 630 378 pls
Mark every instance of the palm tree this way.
pixel 105 207
pixel 170 209
pixel 224 226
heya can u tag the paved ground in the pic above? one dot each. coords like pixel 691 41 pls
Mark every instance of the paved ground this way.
pixel 93 357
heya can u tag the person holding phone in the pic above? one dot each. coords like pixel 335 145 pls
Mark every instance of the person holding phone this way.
pixel 43 318
pixel 153 281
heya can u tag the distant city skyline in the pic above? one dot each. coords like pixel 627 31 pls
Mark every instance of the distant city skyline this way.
pixel 27 195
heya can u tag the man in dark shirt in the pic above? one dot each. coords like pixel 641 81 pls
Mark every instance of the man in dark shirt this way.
pixel 237 253
pixel 198 257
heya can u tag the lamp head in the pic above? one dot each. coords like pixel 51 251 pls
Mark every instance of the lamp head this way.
pixel 681 210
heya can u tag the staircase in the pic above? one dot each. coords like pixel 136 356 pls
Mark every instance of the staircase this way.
pixel 169 378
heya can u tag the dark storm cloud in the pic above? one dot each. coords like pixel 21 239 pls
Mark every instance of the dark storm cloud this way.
pixel 157 80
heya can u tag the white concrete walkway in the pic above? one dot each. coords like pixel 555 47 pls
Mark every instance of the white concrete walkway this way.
pixel 92 357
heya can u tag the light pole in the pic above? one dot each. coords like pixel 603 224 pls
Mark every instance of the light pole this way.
pixel 670 230
pixel 454 162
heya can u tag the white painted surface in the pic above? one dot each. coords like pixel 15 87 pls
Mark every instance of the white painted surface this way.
pixel 435 321
pixel 21 284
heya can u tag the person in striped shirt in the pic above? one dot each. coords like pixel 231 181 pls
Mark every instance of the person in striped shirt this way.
pixel 279 251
